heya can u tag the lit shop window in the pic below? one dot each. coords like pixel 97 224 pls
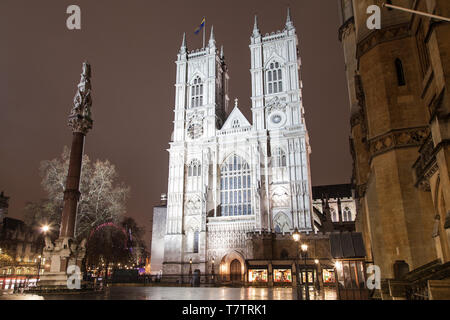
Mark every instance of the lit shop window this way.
pixel 328 276
pixel 257 275
pixel 310 275
pixel 282 275
pixel 350 274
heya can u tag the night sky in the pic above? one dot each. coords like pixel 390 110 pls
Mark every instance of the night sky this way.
pixel 132 46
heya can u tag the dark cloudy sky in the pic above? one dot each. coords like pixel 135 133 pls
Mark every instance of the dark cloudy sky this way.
pixel 132 46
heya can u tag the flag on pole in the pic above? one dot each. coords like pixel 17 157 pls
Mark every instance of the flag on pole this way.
pixel 201 26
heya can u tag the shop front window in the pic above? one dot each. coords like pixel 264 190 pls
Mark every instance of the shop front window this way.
pixel 350 274
pixel 257 275
pixel 282 275
pixel 308 276
pixel 361 277
pixel 328 276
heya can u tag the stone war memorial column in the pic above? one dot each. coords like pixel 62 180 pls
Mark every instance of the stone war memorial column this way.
pixel 65 255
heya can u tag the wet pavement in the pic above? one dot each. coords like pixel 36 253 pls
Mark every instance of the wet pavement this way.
pixel 180 293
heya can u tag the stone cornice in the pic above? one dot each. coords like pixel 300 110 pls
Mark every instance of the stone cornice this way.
pixel 380 36
pixel 426 166
pixel 397 138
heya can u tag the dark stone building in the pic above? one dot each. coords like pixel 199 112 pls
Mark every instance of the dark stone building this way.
pixel 3 205
pixel 23 244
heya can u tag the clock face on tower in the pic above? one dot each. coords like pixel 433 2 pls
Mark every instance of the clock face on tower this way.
pixel 277 119
pixel 195 130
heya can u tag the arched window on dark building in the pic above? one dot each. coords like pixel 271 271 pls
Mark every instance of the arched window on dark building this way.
pixel 400 72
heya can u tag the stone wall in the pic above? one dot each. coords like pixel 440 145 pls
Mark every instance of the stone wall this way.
pixel 400 184
pixel 157 245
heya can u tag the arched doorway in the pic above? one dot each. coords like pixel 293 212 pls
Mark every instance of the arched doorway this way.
pixel 235 270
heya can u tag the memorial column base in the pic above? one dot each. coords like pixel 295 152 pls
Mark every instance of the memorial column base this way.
pixel 64 268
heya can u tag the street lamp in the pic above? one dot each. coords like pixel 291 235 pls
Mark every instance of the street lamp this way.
pixel 305 255
pixel 296 237
pixel 212 270
pixel 190 270
pixel 318 274
pixel 44 229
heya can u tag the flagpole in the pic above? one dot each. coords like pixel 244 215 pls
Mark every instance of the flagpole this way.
pixel 426 14
pixel 204 28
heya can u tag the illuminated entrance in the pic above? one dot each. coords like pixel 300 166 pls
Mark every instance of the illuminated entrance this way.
pixel 235 270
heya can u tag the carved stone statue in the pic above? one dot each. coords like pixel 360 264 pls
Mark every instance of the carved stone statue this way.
pixel 48 243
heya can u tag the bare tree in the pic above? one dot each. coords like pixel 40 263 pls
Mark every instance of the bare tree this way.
pixel 102 198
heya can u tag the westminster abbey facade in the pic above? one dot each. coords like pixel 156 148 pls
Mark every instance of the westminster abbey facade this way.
pixel 229 177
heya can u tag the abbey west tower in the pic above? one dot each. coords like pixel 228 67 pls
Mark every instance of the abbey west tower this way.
pixel 228 177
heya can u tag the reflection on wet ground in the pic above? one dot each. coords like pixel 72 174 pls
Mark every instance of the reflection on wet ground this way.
pixel 183 293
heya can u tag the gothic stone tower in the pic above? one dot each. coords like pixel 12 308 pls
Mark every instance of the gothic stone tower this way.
pixel 399 131
pixel 228 177
pixel 200 105
pixel 278 119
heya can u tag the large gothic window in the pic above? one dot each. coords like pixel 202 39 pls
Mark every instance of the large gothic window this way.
pixel 274 78
pixel 279 158
pixel 235 187
pixel 197 93
pixel 194 169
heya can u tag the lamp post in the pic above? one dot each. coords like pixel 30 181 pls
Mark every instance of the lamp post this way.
pixel 337 268
pixel 190 271
pixel 318 274
pixel 305 255
pixel 296 237
pixel 44 229
pixel 212 271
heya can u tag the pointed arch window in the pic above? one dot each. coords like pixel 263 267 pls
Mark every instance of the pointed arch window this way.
pixel 334 216
pixel 195 244
pixel 274 78
pixel 235 187
pixel 347 214
pixel 279 158
pixel 197 93
pixel 400 72
pixel 194 168
pixel 236 124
